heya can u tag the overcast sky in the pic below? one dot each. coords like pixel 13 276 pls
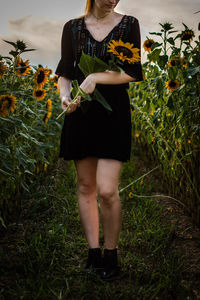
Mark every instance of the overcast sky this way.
pixel 39 23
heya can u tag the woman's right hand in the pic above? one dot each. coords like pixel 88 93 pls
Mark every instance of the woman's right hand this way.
pixel 65 102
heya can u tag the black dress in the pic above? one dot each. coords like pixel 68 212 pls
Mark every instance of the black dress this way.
pixel 94 131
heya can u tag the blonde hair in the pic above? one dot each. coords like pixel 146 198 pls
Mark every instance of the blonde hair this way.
pixel 89 6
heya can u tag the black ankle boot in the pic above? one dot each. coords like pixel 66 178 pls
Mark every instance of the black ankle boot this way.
pixel 110 263
pixel 94 261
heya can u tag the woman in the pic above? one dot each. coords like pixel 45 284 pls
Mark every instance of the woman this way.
pixel 98 141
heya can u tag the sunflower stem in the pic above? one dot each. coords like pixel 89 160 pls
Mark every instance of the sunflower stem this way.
pixel 169 146
pixel 73 101
pixel 120 191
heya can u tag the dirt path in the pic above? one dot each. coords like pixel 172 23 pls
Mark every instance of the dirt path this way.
pixel 186 238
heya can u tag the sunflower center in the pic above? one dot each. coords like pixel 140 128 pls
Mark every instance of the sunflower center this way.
pixel 172 83
pixel 5 104
pixel 39 93
pixel 40 77
pixel 125 51
pixel 187 35
pixel 9 101
pixel 23 68
pixel 149 44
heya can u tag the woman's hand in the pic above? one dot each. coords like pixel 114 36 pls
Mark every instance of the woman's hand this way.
pixel 89 84
pixel 66 101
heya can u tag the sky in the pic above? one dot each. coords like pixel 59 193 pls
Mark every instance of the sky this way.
pixel 39 23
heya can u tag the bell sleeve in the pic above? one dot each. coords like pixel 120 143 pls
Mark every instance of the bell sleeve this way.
pixel 134 69
pixel 65 66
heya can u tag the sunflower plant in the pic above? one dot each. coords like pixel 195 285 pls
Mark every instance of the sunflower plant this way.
pixel 29 99
pixel 165 110
pixel 119 53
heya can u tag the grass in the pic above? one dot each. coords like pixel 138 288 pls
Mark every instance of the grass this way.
pixel 47 250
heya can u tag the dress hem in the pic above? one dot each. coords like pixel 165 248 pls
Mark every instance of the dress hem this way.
pixel 94 155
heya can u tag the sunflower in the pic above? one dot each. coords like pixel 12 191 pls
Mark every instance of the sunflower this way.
pixel 147 45
pixel 174 62
pixel 55 80
pixel 23 67
pixel 172 84
pixel 2 69
pixel 39 94
pixel 124 51
pixel 46 117
pixel 137 134
pixel 49 105
pixel 167 26
pixel 130 195
pixel 41 77
pixel 184 63
pixel 187 35
pixel 49 71
pixel 7 102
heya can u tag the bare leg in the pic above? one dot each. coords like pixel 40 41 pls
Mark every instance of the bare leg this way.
pixel 87 202
pixel 108 173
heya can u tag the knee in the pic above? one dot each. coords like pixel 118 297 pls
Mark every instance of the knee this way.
pixel 107 195
pixel 86 188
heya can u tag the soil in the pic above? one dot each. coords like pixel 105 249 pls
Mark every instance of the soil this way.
pixel 187 241
pixel 186 235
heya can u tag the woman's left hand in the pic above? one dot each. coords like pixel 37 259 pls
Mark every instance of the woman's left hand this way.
pixel 89 84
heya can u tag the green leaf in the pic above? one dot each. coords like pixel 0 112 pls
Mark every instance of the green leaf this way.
pixel 8 164
pixel 4 149
pixel 2 222
pixel 154 55
pixel 30 138
pixel 186 27
pixel 170 102
pixel 6 57
pixel 162 60
pixel 155 45
pixel 25 186
pixel 149 138
pixel 171 41
pixel 5 173
pixel 193 71
pixel 86 64
pixel 153 80
pixel 101 99
pixel 180 88
pixel 28 172
pixel 13 53
pixel 29 50
pixel 31 111
pixel 100 66
pixel 172 31
pixel 156 33
pixel 11 43
pixel 172 72
pixel 90 65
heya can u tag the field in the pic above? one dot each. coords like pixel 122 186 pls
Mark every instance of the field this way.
pixel 43 247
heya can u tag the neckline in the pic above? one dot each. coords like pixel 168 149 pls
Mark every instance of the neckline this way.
pixel 107 34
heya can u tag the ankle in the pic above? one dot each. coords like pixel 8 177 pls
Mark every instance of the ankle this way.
pixel 95 248
pixel 110 250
